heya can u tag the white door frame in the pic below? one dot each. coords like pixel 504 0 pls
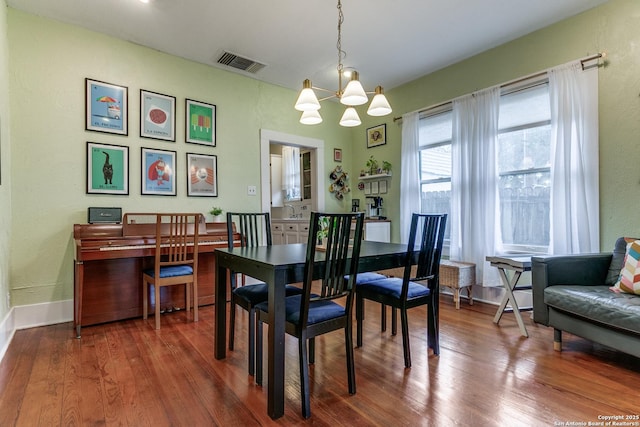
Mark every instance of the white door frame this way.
pixel 268 137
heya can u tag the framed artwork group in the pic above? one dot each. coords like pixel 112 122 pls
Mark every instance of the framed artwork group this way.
pixel 106 111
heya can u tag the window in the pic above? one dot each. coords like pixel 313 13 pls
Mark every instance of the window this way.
pixel 523 166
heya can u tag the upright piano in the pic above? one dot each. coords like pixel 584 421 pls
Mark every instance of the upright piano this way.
pixel 108 264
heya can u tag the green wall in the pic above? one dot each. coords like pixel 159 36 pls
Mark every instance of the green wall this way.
pixel 613 28
pixel 49 61
pixel 48 64
pixel 5 166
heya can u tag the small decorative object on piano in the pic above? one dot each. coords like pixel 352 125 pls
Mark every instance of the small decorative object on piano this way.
pixel 104 215
pixel 216 212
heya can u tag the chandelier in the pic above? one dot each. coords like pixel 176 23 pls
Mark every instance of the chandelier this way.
pixel 351 95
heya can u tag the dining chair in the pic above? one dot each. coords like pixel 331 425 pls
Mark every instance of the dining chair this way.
pixel 309 314
pixel 255 230
pixel 409 292
pixel 175 260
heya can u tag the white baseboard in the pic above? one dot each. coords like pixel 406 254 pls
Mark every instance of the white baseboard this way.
pixel 31 316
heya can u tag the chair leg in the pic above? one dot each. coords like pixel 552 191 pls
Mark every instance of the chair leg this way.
pixel 232 323
pixel 394 321
pixel 187 297
pixel 157 289
pixel 195 299
pixel 383 317
pixel 251 350
pixel 405 337
pixel 433 333
pixel 312 351
pixel 351 368
pixel 359 319
pixel 258 358
pixel 304 377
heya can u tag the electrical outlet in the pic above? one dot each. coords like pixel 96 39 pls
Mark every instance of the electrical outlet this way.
pixel 252 190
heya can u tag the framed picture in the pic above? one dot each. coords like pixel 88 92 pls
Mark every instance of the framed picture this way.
pixel 107 169
pixel 337 155
pixel 367 188
pixel 200 123
pixel 202 171
pixel 157 116
pixel 374 187
pixel 106 107
pixel 158 172
pixel 376 136
pixel 383 187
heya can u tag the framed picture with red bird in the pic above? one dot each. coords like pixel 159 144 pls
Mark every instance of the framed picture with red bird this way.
pixel 158 172
pixel 106 107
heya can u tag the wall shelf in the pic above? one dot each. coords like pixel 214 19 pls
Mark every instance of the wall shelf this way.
pixel 377 176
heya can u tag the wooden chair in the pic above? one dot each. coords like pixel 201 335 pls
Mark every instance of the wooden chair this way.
pixel 255 230
pixel 309 315
pixel 408 292
pixel 176 260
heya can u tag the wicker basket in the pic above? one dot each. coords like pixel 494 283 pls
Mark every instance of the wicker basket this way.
pixel 457 275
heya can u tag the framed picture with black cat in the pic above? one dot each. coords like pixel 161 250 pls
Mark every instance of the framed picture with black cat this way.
pixel 106 107
pixel 158 172
pixel 107 169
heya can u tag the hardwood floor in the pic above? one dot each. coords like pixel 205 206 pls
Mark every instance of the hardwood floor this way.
pixel 126 373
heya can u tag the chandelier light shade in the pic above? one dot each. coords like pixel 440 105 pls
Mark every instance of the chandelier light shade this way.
pixel 350 118
pixel 351 95
pixel 379 105
pixel 311 117
pixel 307 100
pixel 354 93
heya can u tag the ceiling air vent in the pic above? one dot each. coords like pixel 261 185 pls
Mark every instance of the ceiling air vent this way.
pixel 240 63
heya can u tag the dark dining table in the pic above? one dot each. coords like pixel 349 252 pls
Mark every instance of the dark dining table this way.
pixel 279 265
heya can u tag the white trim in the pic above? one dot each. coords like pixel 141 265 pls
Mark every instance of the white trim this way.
pixel 266 138
pixel 31 316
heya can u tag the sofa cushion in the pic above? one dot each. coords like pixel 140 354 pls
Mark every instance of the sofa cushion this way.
pixel 629 280
pixel 598 304
pixel 617 260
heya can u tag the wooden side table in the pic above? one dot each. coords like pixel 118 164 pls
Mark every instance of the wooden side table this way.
pixel 457 275
pixel 518 265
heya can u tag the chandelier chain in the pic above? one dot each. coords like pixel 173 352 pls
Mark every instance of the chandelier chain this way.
pixel 341 53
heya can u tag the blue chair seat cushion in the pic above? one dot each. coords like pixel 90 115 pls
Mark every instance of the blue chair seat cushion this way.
pixel 319 311
pixel 367 277
pixel 392 287
pixel 259 292
pixel 173 271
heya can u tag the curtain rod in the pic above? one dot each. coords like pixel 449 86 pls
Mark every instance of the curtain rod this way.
pixel 511 82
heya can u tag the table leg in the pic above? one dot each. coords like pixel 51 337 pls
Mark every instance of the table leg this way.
pixel 509 286
pixel 220 312
pixel 276 352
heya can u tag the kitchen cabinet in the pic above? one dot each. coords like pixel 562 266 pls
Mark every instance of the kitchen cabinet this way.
pixel 284 232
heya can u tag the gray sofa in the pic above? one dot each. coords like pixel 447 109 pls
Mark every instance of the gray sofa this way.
pixel 571 293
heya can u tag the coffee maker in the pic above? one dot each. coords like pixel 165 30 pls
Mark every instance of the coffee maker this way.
pixel 374 208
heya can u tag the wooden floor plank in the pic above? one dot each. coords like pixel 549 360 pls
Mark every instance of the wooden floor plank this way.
pixel 127 373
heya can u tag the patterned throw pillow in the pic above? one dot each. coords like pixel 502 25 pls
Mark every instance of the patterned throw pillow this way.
pixel 629 280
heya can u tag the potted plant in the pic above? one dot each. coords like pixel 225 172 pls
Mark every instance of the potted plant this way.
pixel 323 232
pixel 386 167
pixel 372 164
pixel 216 212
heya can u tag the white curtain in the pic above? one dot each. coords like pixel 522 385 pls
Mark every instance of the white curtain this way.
pixel 409 173
pixel 575 202
pixel 291 172
pixel 475 214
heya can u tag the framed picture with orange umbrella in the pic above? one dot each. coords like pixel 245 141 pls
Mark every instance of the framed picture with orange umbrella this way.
pixel 106 107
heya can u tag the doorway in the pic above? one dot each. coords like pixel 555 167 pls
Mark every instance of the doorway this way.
pixel 315 146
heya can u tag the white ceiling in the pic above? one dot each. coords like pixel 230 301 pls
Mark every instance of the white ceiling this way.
pixel 388 42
